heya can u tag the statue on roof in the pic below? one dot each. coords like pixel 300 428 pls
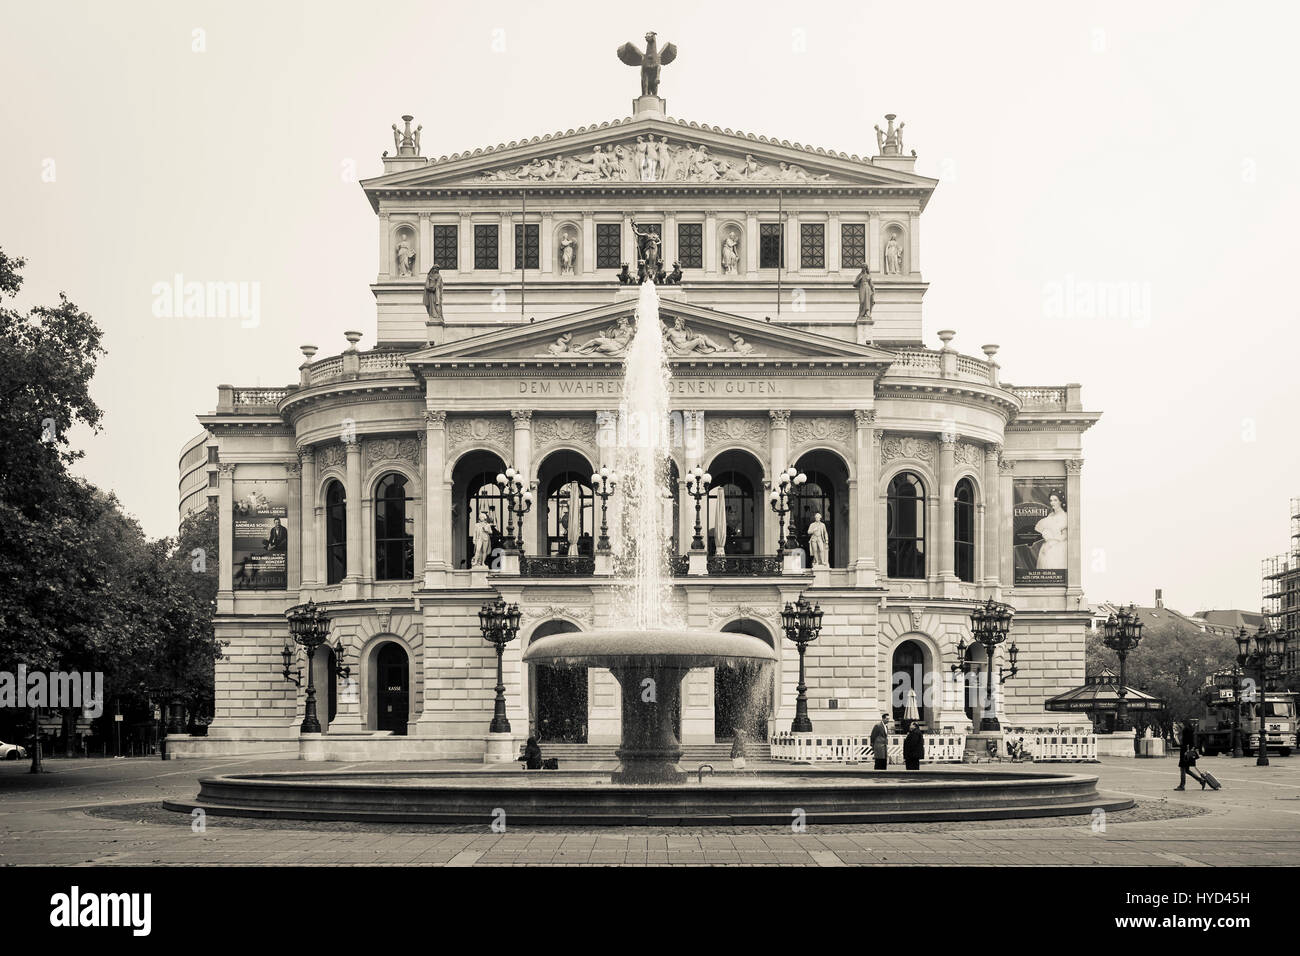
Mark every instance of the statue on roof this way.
pixel 650 61
pixel 433 294
pixel 890 141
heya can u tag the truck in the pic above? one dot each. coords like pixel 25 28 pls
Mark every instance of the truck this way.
pixel 1219 717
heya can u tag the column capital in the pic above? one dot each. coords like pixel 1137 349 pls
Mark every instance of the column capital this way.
pixel 693 417
pixel 949 439
pixel 226 469
pixel 864 417
pixel 1073 466
pixel 1006 466
pixel 992 451
pixel 435 417
pixel 293 469
pixel 780 417
pixel 306 455
pixel 522 416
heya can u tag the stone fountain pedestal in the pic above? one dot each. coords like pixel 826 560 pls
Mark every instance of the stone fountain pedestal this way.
pixel 650 750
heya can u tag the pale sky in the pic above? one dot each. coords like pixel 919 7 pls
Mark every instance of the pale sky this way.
pixel 1149 147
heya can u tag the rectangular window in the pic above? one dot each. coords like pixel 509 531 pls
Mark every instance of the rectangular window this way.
pixel 446 247
pixel 812 245
pixel 690 245
pixel 485 247
pixel 853 245
pixel 609 245
pixel 771 254
pixel 527 245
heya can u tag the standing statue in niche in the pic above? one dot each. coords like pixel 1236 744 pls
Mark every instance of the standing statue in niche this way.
pixel 818 542
pixel 650 61
pixel 568 253
pixel 893 256
pixel 433 293
pixel 730 254
pixel 482 541
pixel 405 257
pixel 866 293
pixel 648 242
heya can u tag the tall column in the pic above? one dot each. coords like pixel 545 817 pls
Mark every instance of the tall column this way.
pixel 992 501
pixel 833 243
pixel 712 251
pixel 226 535
pixel 947 467
pixel 669 245
pixel 437 511
pixel 385 247
pixel 424 255
pixel 864 501
pixel 524 465
pixel 1074 557
pixel 873 243
pixel 354 517
pixel 1006 562
pixel 751 244
pixel 545 244
pixel 307 464
pixel 506 244
pixel 588 244
pixel 628 245
pixel 465 244
pixel 778 443
pixel 293 557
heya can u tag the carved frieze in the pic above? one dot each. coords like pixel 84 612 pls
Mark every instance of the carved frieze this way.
pixel 462 432
pixel 331 456
pixel 917 449
pixel 968 453
pixel 679 339
pixel 768 615
pixel 564 431
pixel 652 160
pixel 582 613
pixel 724 430
pixel 393 449
pixel 821 429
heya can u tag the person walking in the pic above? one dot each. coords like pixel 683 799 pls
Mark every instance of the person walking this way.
pixel 914 746
pixel 880 742
pixel 1187 756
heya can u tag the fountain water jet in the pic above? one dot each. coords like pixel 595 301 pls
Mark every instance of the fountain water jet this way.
pixel 648 657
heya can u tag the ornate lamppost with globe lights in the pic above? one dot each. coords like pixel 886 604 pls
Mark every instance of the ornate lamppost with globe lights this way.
pixel 603 484
pixel 990 623
pixel 309 627
pixel 519 501
pixel 782 489
pixel 1264 653
pixel 697 486
pixel 1121 633
pixel 802 622
pixel 499 623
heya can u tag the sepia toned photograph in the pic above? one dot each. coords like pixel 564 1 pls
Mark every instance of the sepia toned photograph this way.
pixel 453 436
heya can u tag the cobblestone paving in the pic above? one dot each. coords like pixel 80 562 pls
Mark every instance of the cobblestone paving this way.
pixel 61 818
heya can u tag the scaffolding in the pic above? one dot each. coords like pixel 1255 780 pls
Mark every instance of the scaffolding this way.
pixel 1280 590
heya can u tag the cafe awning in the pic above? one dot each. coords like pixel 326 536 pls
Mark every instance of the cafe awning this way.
pixel 1100 693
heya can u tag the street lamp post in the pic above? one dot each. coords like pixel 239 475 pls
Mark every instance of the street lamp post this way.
pixel 519 501
pixel 802 623
pixel 1262 653
pixel 1121 633
pixel 499 623
pixel 1238 689
pixel 782 489
pixel 603 483
pixel 697 486
pixel 990 623
pixel 309 627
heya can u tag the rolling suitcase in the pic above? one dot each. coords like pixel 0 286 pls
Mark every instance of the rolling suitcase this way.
pixel 1209 778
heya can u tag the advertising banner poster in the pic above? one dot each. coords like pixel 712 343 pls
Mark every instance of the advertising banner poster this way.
pixel 261 535
pixel 1039 535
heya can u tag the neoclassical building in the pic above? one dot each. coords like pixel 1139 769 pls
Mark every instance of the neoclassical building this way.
pixel 359 485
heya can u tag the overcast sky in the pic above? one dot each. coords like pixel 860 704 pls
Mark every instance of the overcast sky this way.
pixel 1150 148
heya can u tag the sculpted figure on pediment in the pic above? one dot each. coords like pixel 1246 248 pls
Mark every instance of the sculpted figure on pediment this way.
pixel 613 341
pixel 679 340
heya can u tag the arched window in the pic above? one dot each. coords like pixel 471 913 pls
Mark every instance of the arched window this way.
pixel 484 497
pixel 816 496
pixel 964 530
pixel 336 532
pixel 736 493
pixel 570 515
pixel 905 521
pixel 394 531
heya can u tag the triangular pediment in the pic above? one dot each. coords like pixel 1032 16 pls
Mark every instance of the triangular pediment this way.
pixel 691 333
pixel 645 151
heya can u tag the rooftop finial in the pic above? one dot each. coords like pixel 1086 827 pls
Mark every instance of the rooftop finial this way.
pixel 890 141
pixel 650 61
pixel 406 141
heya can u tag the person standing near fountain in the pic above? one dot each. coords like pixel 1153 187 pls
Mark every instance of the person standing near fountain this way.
pixel 914 747
pixel 880 742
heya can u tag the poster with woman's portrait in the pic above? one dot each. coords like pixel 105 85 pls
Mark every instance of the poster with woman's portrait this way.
pixel 1039 531
pixel 260 540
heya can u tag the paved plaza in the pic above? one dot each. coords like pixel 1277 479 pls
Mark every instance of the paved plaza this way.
pixel 87 812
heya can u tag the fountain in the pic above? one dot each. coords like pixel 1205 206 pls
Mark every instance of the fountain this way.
pixel 649 658
pixel 649 655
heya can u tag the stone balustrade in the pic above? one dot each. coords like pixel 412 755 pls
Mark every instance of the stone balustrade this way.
pixel 1041 396
pixel 929 363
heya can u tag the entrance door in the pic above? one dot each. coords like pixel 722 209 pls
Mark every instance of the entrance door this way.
pixel 908 674
pixel 561 704
pixel 394 683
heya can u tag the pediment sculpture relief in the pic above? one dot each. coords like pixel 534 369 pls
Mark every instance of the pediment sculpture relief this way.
pixel 679 339
pixel 652 160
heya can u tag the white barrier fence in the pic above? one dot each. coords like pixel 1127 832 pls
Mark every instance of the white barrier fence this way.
pixel 854 748
pixel 1045 747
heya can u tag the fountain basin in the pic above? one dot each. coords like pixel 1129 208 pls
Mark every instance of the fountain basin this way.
pixel 578 798
pixel 649 666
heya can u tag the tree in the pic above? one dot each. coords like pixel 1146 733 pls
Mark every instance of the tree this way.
pixel 1173 662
